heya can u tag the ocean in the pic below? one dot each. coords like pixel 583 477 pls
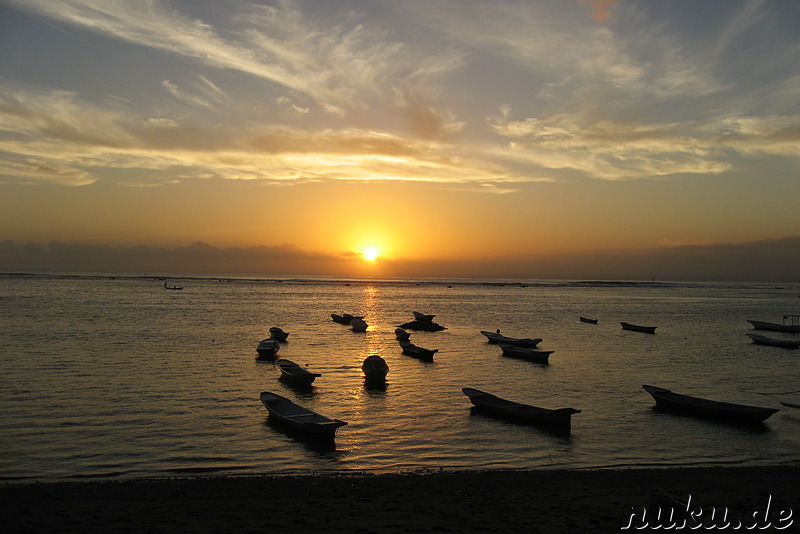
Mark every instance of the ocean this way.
pixel 116 377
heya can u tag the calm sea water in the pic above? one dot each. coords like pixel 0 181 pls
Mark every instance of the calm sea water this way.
pixel 119 377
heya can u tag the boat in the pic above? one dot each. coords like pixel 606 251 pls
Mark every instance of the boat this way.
pixel 518 411
pixel 775 342
pixel 639 328
pixel 375 368
pixel 171 287
pixel 790 404
pixel 299 417
pixel 295 374
pixel 496 337
pixel 278 334
pixel 793 325
pixel 423 318
pixel 525 353
pixel 358 325
pixel 401 334
pixel 729 411
pixel 426 355
pixel 587 320
pixel 267 348
pixel 345 318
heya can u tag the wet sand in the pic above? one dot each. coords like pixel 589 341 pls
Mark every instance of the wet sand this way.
pixel 543 501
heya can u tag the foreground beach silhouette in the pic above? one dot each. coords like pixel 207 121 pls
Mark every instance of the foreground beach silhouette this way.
pixel 544 501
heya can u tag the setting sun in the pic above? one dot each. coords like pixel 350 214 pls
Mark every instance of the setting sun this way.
pixel 370 253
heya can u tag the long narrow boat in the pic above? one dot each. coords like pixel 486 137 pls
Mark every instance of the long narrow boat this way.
pixel 295 374
pixel 521 412
pixel 525 353
pixel 496 337
pixel 741 413
pixel 587 320
pixel 426 355
pixel 278 333
pixel 375 368
pixel 299 417
pixel 267 348
pixel 639 328
pixel 793 326
pixel 775 342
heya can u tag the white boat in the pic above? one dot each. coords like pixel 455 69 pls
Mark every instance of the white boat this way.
pixel 299 417
pixel 497 337
pixel 793 325
pixel 375 368
pixel 358 325
pixel 267 348
pixel 295 374
pixel 525 353
pixel 521 412
pixel 775 342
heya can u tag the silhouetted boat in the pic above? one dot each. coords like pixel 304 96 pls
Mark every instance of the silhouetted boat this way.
pixel 278 333
pixel 375 368
pixel 525 353
pixel 639 328
pixel 267 348
pixel 295 374
pixel 496 337
pixel 587 320
pixel 423 318
pixel 358 325
pixel 729 411
pixel 401 334
pixel 793 326
pixel 775 342
pixel 345 318
pixel 521 412
pixel 426 355
pixel 171 287
pixel 299 417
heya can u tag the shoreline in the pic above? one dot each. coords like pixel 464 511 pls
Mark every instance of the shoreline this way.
pixel 531 501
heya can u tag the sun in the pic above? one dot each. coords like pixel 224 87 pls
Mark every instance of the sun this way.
pixel 370 253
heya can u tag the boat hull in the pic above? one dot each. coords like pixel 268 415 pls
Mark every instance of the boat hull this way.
pixel 523 353
pixel 426 355
pixel 774 327
pixel 375 369
pixel 711 409
pixel 267 349
pixel 294 374
pixel 298 417
pixel 587 320
pixel 520 412
pixel 764 340
pixel 639 328
pixel 495 338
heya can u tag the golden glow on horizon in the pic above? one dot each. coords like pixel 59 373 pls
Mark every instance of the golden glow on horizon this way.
pixel 371 253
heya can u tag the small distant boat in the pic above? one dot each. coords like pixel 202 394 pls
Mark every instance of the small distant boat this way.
pixel 639 328
pixel 519 411
pixel 171 287
pixel 426 355
pixel 496 337
pixel 525 353
pixel 299 417
pixel 401 334
pixel 423 318
pixel 775 342
pixel 345 318
pixel 792 326
pixel 375 368
pixel 295 374
pixel 278 334
pixel 358 325
pixel 267 348
pixel 729 411
pixel 587 320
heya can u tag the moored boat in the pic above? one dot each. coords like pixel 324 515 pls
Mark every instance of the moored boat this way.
pixel 358 325
pixel 423 318
pixel 775 342
pixel 375 368
pixel 299 417
pixel 426 355
pixel 639 328
pixel 401 335
pixel 497 337
pixel 518 411
pixel 525 353
pixel 793 325
pixel 278 334
pixel 587 320
pixel 267 348
pixel 345 318
pixel 727 411
pixel 295 374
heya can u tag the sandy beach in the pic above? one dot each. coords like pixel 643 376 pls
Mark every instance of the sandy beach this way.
pixel 546 501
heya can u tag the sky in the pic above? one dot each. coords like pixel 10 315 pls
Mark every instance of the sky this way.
pixel 521 139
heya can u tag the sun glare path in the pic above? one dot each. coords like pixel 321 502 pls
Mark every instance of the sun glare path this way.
pixel 370 253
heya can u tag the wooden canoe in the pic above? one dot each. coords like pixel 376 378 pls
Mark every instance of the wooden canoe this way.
pixel 639 328
pixel 728 411
pixel 295 374
pixel 518 411
pixel 298 417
